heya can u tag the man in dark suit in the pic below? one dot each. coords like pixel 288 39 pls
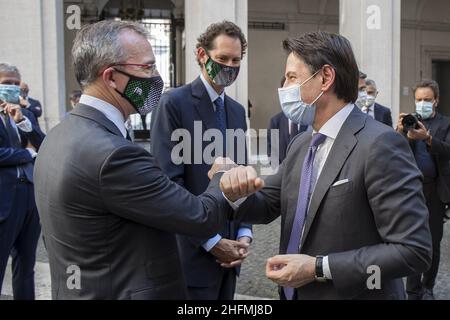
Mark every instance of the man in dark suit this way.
pixel 353 216
pixel 29 103
pixel 204 103
pixel 430 143
pixel 19 221
pixel 373 109
pixel 109 214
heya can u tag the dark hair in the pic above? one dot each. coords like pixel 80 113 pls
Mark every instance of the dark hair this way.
pixel 206 39
pixel 317 49
pixel 433 85
pixel 362 75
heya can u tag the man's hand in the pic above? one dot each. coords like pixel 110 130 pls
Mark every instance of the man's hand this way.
pixel 419 134
pixel 240 182
pixel 228 251
pixel 221 165
pixel 291 270
pixel 30 146
pixel 14 111
pixel 23 102
pixel 399 123
pixel 244 252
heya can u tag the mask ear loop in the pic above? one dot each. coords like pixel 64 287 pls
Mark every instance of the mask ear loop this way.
pixel 321 92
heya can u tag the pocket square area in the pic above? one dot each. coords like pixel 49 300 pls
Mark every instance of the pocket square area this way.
pixel 338 183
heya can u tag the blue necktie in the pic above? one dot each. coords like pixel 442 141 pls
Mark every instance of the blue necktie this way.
pixel 221 121
pixel 302 202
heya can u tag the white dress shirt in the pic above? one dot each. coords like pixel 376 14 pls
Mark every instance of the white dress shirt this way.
pixel 112 113
pixel 371 110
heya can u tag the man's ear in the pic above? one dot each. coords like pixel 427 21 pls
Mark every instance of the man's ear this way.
pixel 328 77
pixel 202 57
pixel 108 78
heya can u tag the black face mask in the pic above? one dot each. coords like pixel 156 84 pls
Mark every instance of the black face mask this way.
pixel 142 93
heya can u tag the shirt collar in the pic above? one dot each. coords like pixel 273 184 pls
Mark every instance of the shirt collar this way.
pixel 112 113
pixel 332 127
pixel 211 92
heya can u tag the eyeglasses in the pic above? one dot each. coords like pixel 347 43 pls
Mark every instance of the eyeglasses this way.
pixel 149 68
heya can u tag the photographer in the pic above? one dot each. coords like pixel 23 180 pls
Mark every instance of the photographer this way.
pixel 428 133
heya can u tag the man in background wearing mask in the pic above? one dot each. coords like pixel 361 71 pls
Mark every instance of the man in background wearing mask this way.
pixel 373 109
pixel 349 193
pixel 209 265
pixel 29 103
pixel 362 94
pixel 109 214
pixel 430 144
pixel 20 139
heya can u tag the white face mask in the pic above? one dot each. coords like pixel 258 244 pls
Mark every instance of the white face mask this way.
pixel 370 100
pixel 362 99
pixel 294 107
pixel 424 108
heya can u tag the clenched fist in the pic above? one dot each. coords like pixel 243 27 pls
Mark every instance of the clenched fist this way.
pixel 240 182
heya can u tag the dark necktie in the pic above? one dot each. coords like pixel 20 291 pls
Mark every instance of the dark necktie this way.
pixel 27 168
pixel 302 202
pixel 128 136
pixel 221 121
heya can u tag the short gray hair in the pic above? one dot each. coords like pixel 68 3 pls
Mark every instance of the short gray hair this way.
pixel 97 46
pixel 370 82
pixel 8 68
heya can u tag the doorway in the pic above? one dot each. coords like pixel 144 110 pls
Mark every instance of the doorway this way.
pixel 441 74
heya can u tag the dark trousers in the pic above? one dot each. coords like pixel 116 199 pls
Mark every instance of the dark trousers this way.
pixel 222 290
pixel 19 235
pixel 415 284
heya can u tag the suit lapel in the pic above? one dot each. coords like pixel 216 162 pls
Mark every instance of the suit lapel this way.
pixel 376 112
pixel 203 104
pixel 93 114
pixel 342 147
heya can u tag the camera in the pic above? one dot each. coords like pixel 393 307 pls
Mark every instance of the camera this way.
pixel 411 121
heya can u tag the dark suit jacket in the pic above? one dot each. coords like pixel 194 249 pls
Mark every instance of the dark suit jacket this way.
pixel 35 107
pixel 179 108
pixel 440 151
pixel 280 122
pixel 106 207
pixel 378 217
pixel 382 114
pixel 10 158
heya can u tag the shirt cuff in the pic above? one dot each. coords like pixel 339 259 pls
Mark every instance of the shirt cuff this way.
pixel 235 205
pixel 245 232
pixel 25 125
pixel 326 268
pixel 208 245
pixel 33 153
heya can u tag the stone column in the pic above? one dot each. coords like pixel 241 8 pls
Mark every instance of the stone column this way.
pixel 373 28
pixel 35 44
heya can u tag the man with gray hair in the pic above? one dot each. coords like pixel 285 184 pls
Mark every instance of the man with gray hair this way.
pixel 373 109
pixel 19 221
pixel 108 212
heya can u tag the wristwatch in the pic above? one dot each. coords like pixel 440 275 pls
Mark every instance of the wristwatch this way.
pixel 320 277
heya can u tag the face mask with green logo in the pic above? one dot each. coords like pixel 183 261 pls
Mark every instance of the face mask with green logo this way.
pixel 142 93
pixel 221 74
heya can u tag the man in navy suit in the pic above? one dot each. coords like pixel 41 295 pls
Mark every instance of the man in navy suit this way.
pixel 29 103
pixel 373 109
pixel 287 130
pixel 19 221
pixel 210 266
